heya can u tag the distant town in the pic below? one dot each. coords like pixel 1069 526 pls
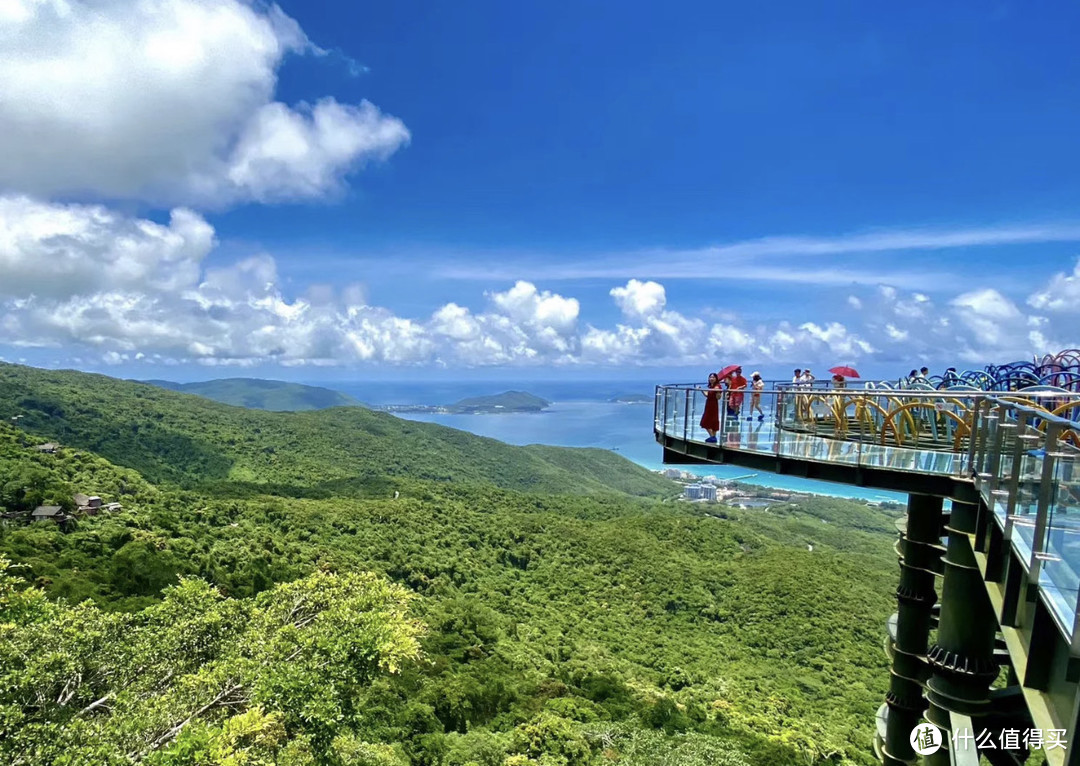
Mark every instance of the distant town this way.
pixel 506 402
pixel 731 492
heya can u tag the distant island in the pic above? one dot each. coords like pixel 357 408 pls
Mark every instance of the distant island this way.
pixel 633 399
pixel 257 394
pixel 507 401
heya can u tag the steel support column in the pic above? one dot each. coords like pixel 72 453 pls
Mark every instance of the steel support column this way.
pixel 920 553
pixel 962 663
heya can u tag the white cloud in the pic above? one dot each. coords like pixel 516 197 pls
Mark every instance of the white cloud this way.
pixel 994 321
pixel 779 259
pixel 169 101
pixel 660 335
pixel 127 290
pixel 541 310
pixel 987 303
pixel 525 326
pixel 895 333
pixel 285 153
pixel 49 250
pixel 640 299
pixel 835 339
pixel 1061 294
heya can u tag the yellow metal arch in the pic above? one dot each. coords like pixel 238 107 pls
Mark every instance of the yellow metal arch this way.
pixel 863 407
pixel 962 426
pixel 1060 411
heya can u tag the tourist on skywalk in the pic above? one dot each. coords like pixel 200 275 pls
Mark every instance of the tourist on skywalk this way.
pixel 758 385
pixel 710 418
pixel 950 378
pixel 912 378
pixel 838 381
pixel 808 378
pixel 796 380
pixel 736 384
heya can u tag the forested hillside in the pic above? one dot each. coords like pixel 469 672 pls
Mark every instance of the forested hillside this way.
pixel 190 441
pixel 258 394
pixel 392 618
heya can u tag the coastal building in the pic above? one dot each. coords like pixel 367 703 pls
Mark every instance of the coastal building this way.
pixel 48 448
pixel 700 492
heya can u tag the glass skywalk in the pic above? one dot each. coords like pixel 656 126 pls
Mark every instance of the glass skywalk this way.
pixel 1018 450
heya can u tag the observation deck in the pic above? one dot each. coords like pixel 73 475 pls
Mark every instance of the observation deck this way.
pixel 986 636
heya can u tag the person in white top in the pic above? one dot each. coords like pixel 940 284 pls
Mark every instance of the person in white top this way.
pixel 757 385
pixel 797 378
pixel 808 378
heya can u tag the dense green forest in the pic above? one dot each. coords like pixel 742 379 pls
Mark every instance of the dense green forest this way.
pixel 348 588
pixel 190 441
pixel 258 394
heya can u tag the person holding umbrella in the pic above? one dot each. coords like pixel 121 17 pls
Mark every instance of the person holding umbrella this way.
pixel 725 378
pixel 736 387
pixel 840 373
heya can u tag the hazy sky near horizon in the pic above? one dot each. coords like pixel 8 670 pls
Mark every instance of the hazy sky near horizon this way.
pixel 201 188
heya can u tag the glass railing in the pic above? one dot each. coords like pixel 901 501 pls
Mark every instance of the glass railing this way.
pixel 1021 449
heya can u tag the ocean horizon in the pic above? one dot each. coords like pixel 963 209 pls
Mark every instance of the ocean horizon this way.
pixel 583 415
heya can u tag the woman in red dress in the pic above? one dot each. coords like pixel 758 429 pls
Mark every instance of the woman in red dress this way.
pixel 710 419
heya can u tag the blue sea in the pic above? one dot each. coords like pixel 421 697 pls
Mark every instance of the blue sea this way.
pixel 581 415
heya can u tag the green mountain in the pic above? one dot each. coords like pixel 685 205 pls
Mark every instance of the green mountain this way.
pixel 191 441
pixel 363 590
pixel 258 394
pixel 508 401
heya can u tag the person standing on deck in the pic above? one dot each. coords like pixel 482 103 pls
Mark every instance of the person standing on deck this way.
pixel 757 385
pixel 800 381
pixel 710 418
pixel 736 387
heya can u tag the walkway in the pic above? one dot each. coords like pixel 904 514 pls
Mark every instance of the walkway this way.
pixel 1019 451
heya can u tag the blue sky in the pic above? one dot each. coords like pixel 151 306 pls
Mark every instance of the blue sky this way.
pixel 577 187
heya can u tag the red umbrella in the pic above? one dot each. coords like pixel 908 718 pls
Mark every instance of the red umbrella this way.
pixel 728 370
pixel 847 372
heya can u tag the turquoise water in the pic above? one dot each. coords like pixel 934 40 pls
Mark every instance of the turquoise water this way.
pixel 628 430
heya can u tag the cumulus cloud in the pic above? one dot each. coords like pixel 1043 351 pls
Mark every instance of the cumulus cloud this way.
pixel 651 332
pixel 87 279
pixel 170 101
pixel 524 325
pixel 640 299
pixel 56 250
pixel 1061 294
pixel 994 321
pixel 81 275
